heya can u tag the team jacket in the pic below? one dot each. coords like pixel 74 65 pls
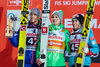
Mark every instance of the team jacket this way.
pixel 75 39
pixel 58 39
pixel 32 34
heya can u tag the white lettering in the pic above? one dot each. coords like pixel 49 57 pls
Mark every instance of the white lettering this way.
pixel 79 2
pixel 94 23
pixel 16 2
pixel 97 3
pixel 68 23
pixel 66 2
pixel 57 2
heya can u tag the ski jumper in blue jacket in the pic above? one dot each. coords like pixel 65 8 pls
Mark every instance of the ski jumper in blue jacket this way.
pixel 32 34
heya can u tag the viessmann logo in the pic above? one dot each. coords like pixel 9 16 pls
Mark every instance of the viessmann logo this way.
pixel 17 2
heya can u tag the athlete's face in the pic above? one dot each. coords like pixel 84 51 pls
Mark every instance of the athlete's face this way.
pixel 76 24
pixel 56 20
pixel 34 18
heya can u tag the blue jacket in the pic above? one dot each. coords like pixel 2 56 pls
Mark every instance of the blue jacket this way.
pixel 28 53
pixel 93 49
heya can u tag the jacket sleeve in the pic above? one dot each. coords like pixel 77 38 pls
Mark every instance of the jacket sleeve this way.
pixel 15 39
pixel 67 41
pixel 92 44
pixel 38 49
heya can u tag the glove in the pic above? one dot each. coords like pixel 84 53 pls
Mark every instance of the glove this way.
pixel 85 49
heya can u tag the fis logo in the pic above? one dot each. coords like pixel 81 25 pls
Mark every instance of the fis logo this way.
pixel 17 2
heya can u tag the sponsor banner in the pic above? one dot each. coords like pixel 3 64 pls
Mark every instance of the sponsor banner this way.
pixel 73 2
pixel 17 2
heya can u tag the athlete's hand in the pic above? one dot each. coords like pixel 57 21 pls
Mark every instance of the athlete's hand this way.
pixel 38 62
